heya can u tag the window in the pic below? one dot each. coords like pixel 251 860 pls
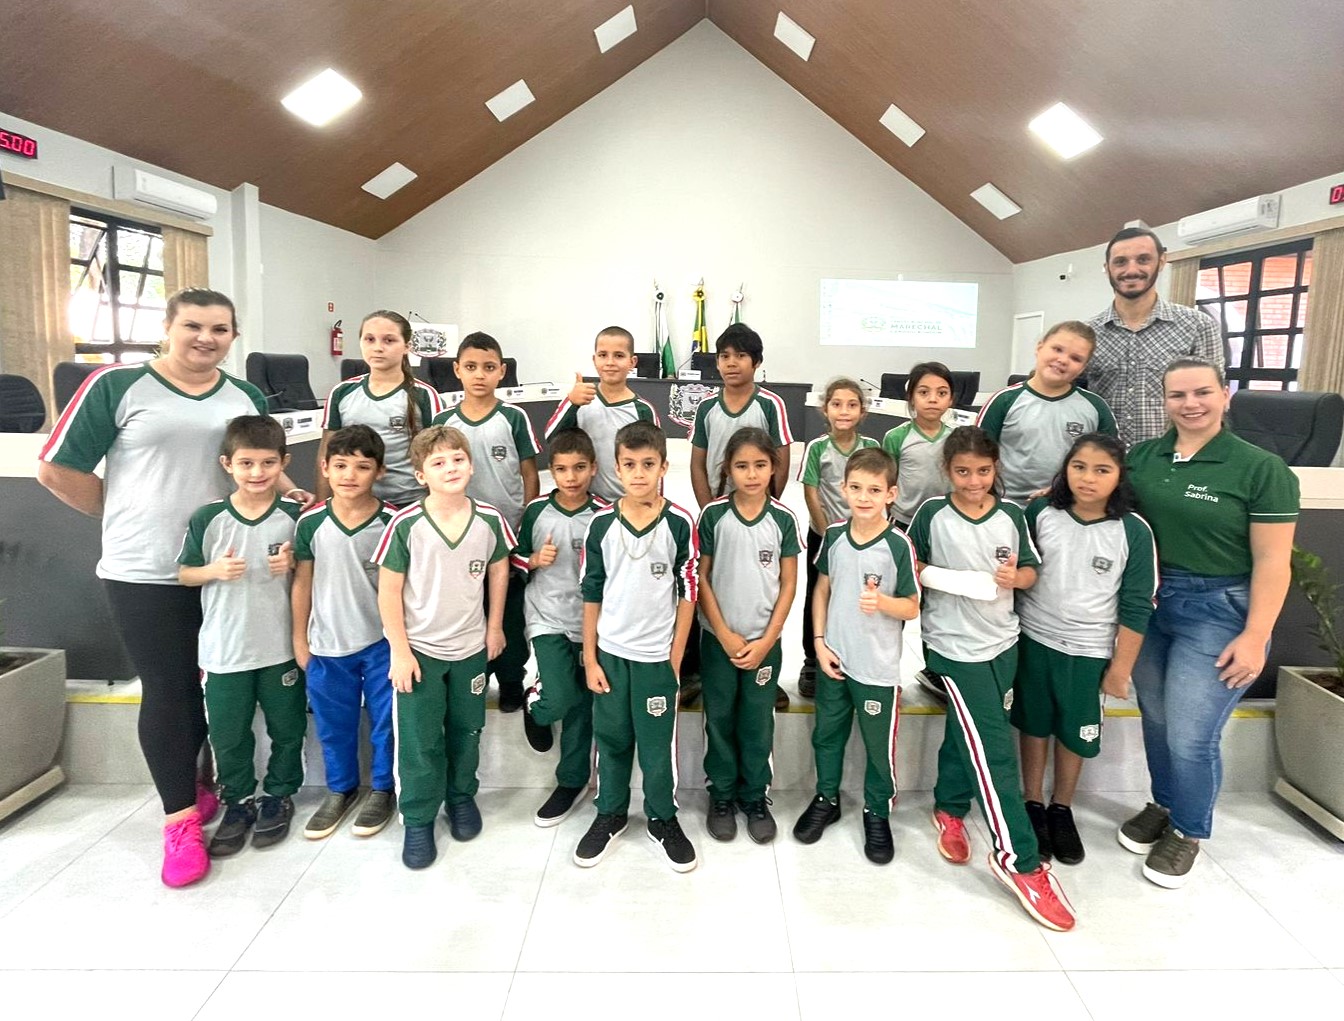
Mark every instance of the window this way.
pixel 1260 300
pixel 116 288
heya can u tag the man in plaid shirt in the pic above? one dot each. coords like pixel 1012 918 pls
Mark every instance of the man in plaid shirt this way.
pixel 1139 334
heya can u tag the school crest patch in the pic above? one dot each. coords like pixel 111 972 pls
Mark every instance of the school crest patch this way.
pixel 764 674
pixel 478 684
pixel 576 544
pixel 766 557
pixel 273 548
pixel 1002 553
pixel 876 579
pixel 476 568
pixel 872 707
pixel 397 422
pixel 1008 700
pixel 498 452
pixel 682 401
pixel 658 568
pixel 429 342
pixel 1089 733
pixel 656 705
pixel 290 678
pixel 1074 428
pixel 1101 564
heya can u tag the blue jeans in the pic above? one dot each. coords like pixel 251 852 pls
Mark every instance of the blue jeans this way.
pixel 1184 704
pixel 337 686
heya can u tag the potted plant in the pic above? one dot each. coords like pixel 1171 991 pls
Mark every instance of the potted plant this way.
pixel 1309 708
pixel 32 724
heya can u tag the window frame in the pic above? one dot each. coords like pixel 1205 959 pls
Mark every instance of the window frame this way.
pixel 118 347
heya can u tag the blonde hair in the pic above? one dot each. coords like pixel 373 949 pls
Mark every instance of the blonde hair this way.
pixel 436 436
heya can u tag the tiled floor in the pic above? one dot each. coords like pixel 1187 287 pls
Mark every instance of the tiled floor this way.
pixel 508 927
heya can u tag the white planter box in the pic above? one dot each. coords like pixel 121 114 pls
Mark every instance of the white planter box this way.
pixel 32 725
pixel 1309 732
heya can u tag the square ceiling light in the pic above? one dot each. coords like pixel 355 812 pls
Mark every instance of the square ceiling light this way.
pixel 322 99
pixel 394 178
pixel 615 29
pixel 792 35
pixel 901 124
pixel 1064 131
pixel 996 201
pixel 510 101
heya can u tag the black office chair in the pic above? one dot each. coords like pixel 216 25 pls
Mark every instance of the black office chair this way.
pixel 68 377
pixel 21 407
pixel 284 381
pixel 965 385
pixel 708 364
pixel 438 373
pixel 352 367
pixel 1302 428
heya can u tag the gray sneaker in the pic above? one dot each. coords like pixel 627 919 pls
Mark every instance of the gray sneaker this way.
pixel 376 812
pixel 1170 861
pixel 721 820
pixel 327 818
pixel 273 816
pixel 760 823
pixel 1140 833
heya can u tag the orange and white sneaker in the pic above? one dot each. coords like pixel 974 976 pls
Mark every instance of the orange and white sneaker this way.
pixel 1039 893
pixel 953 842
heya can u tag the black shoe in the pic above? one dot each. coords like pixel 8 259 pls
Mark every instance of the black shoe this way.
pixel 1065 843
pixel 558 806
pixel 690 691
pixel 722 819
pixel 933 684
pixel 813 822
pixel 1036 813
pixel 807 679
pixel 464 820
pixel 273 816
pixel 540 739
pixel 418 850
pixel 781 701
pixel 231 835
pixel 760 823
pixel 667 834
pixel 600 839
pixel 877 844
pixel 510 696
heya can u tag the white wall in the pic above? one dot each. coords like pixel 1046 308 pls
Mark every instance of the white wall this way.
pixel 701 162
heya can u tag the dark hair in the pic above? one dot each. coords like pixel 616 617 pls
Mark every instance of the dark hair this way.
pixel 1129 234
pixel 1121 502
pixel 741 337
pixel 479 341
pixel 641 435
pixel 844 383
pixel 616 331
pixel 428 440
pixel 874 461
pixel 971 439
pixel 1192 362
pixel 403 324
pixel 356 440
pixel 923 369
pixel 747 436
pixel 571 441
pixel 201 297
pixel 253 432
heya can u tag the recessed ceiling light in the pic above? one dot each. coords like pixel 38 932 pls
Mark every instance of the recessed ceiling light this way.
pixel 322 99
pixel 996 201
pixel 394 178
pixel 614 29
pixel 1064 131
pixel 791 35
pixel 511 100
pixel 900 124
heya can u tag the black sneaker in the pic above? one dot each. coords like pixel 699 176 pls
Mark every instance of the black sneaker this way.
pixel 510 695
pixel 1065 844
pixel 1036 813
pixel 1141 832
pixel 721 820
pixel 540 739
pixel 878 847
pixel 689 692
pixel 418 849
pixel 273 816
pixel 781 700
pixel 933 683
pixel 231 835
pixel 600 839
pixel 760 823
pixel 325 821
pixel 807 679
pixel 464 820
pixel 813 822
pixel 667 834
pixel 558 806
pixel 377 811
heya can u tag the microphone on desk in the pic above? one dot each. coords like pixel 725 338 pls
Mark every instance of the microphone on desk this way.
pixel 417 315
pixel 870 384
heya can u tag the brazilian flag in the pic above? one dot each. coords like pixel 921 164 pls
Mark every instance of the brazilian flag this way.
pixel 700 333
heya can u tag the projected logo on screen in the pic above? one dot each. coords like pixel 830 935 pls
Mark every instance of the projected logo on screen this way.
pixel 898 313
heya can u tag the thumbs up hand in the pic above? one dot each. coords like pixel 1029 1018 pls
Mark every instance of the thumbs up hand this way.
pixel 545 556
pixel 582 393
pixel 229 567
pixel 869 599
pixel 1006 575
pixel 282 561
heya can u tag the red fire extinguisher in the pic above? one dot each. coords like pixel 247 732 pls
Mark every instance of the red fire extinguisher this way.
pixel 337 339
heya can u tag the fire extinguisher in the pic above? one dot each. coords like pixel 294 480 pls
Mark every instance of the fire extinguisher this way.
pixel 337 339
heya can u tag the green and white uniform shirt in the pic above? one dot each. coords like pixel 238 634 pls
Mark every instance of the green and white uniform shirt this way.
pixel 601 420
pixel 919 466
pixel 162 451
pixel 747 557
pixel 639 577
pixel 443 598
pixel 245 623
pixel 500 442
pixel 1035 432
pixel 552 602
pixel 957 627
pixel 715 425
pixel 824 467
pixel 1093 575
pixel 868 644
pixel 344 617
pixel 351 402
pixel 1202 509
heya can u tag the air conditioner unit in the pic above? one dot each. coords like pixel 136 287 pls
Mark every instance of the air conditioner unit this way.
pixel 1249 214
pixel 152 190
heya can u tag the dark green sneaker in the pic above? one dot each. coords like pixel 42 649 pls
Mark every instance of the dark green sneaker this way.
pixel 231 836
pixel 273 816
pixel 334 808
pixel 1171 859
pixel 1140 833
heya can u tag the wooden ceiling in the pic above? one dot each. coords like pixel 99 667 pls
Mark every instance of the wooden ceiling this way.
pixel 1200 103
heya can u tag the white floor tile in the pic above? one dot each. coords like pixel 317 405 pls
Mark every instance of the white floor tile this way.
pixel 292 994
pixel 653 996
pixel 107 995
pixel 1223 993
pixel 1016 996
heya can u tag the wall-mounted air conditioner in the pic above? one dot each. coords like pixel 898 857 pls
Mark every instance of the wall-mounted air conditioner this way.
pixel 152 190
pixel 1259 213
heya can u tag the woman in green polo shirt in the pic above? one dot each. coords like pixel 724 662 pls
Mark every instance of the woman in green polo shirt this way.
pixel 1223 513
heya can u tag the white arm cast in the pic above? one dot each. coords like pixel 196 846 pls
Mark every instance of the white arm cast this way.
pixel 971 584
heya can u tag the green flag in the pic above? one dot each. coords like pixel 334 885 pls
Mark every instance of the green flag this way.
pixel 662 343
pixel 700 333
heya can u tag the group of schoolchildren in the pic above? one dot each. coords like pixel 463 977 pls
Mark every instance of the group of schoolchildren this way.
pixel 431 559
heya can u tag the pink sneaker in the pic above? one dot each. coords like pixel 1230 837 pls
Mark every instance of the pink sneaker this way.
pixel 184 857
pixel 207 801
pixel 953 843
pixel 1039 893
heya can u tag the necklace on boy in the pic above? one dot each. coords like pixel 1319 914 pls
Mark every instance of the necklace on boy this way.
pixel 636 553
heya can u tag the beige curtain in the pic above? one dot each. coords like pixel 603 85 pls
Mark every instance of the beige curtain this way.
pixel 35 288
pixel 1181 279
pixel 1323 357
pixel 185 260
